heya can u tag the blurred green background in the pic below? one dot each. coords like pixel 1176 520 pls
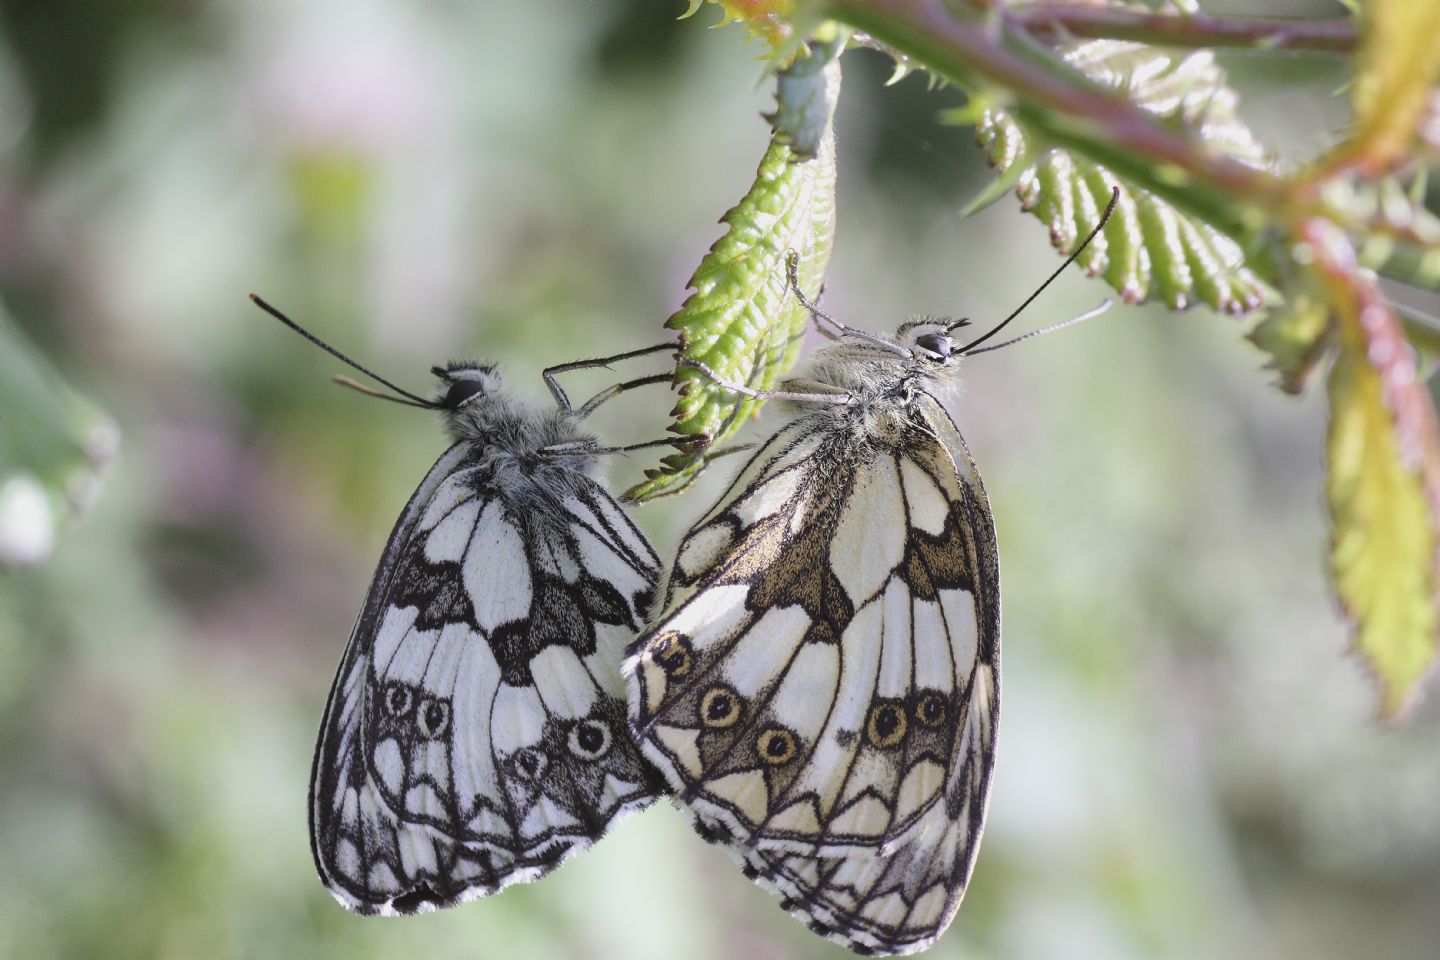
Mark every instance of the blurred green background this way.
pixel 1188 765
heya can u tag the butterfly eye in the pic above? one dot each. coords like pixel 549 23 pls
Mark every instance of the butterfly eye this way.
pixel 886 726
pixel 397 699
pixel 936 344
pixel 930 711
pixel 720 707
pixel 589 739
pixel 673 655
pixel 432 717
pixel 462 392
pixel 776 746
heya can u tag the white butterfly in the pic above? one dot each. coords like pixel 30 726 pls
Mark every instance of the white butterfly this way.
pixel 821 685
pixel 475 733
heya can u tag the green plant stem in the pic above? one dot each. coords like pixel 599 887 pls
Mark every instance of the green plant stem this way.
pixel 1418 235
pixel 975 51
pixel 1059 21
pixel 1409 264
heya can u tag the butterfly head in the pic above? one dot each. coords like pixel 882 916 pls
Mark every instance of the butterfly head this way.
pixel 935 347
pixel 463 382
pixel 929 341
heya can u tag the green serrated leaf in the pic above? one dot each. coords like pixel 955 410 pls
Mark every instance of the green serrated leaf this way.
pixel 740 320
pixel 768 20
pixel 1296 336
pixel 1383 539
pixel 1402 237
pixel 1149 249
pixel 1396 69
pixel 54 446
pixel 1383 480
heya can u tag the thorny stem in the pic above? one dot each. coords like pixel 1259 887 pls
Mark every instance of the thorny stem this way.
pixel 1057 21
pixel 968 47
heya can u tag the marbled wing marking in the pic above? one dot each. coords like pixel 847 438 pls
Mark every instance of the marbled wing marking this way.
pixel 855 773
pixel 370 859
pixel 842 783
pixel 792 445
pixel 768 483
pixel 703 626
pixel 592 508
pixel 496 570
pixel 762 605
pixel 900 897
pixel 572 771
pixel 474 736
pixel 380 865
pixel 868 542
pixel 871 836
pixel 663 664
pixel 898 902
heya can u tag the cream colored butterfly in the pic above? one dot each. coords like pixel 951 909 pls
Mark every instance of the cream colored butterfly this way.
pixel 475 734
pixel 821 685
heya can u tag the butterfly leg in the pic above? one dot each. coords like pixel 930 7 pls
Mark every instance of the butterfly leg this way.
pixel 792 278
pixel 610 393
pixel 839 399
pixel 559 394
pixel 583 448
pixel 704 462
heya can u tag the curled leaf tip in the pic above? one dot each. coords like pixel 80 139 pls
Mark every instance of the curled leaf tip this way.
pixel 740 320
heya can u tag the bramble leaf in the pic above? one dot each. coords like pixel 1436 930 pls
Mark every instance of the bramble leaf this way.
pixel 1383 481
pixel 1295 335
pixel 1396 70
pixel 740 321
pixel 1402 236
pixel 766 19
pixel 54 447
pixel 1149 248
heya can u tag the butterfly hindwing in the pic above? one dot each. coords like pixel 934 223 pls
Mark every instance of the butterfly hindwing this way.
pixel 475 735
pixel 820 687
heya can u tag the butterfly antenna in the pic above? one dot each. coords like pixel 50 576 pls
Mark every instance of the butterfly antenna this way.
pixel 1088 314
pixel 411 398
pixel 359 387
pixel 1109 209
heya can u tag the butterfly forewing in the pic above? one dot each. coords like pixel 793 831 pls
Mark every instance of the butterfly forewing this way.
pixel 820 687
pixel 475 734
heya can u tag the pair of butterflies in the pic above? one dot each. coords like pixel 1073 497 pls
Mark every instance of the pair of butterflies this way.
pixel 817 684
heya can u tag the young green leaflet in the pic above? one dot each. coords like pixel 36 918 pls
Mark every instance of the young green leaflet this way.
pixel 475 733
pixel 821 684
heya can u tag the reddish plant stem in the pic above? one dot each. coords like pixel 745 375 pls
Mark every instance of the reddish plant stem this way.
pixel 1057 21
pixel 966 47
